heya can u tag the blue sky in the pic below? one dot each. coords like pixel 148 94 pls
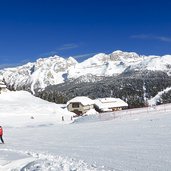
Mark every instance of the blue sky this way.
pixel 30 29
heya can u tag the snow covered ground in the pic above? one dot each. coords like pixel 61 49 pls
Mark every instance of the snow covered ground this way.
pixel 20 108
pixel 130 140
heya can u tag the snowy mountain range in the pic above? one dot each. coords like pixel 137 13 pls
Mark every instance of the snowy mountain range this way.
pixel 55 70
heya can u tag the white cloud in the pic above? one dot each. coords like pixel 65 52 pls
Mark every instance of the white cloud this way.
pixel 164 39
pixel 61 48
pixel 84 55
pixel 2 66
pixel 10 65
pixel 151 37
pixel 67 47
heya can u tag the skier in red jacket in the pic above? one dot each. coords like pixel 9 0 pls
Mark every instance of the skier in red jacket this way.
pixel 1 134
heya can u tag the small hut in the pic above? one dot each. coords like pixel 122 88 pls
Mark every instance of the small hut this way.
pixel 80 105
pixel 3 87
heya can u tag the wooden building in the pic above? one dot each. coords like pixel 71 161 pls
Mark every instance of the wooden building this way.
pixel 80 105
pixel 109 104
pixel 3 87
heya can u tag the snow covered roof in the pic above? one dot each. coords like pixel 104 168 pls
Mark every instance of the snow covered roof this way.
pixel 3 86
pixel 106 103
pixel 81 99
pixel 1 77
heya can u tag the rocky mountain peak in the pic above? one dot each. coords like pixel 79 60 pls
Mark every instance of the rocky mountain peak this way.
pixel 55 69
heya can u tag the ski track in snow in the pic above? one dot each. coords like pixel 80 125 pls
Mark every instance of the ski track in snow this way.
pixel 32 161
pixel 154 100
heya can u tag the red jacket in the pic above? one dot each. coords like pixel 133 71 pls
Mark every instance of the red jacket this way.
pixel 1 131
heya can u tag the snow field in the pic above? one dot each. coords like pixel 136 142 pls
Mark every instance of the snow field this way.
pixel 30 161
pixel 20 108
pixel 128 140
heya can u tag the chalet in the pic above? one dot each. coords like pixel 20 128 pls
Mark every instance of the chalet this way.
pixel 80 105
pixel 3 87
pixel 109 104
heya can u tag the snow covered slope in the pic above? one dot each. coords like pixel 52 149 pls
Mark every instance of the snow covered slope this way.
pixel 132 140
pixel 55 70
pixel 21 108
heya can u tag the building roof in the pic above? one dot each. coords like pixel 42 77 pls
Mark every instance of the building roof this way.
pixel 106 103
pixel 1 77
pixel 81 99
pixel 3 86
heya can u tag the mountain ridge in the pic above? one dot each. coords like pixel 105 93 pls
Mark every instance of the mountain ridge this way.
pixel 54 70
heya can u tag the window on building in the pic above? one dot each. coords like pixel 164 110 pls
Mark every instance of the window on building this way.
pixel 75 105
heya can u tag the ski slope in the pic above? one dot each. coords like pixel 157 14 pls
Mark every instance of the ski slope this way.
pixel 132 140
pixel 20 109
